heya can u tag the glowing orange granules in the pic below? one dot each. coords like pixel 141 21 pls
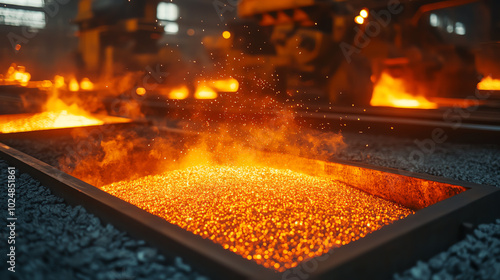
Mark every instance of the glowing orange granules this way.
pixel 274 217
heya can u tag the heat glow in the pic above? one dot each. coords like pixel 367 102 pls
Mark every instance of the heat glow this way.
pixel 275 217
pixel 391 92
pixel 57 115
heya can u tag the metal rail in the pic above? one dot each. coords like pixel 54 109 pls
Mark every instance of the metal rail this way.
pixel 460 124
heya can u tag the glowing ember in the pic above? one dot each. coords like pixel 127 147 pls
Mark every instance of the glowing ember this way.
pixel 488 83
pixel 179 93
pixel 205 92
pixel 278 218
pixel 48 120
pixel 391 92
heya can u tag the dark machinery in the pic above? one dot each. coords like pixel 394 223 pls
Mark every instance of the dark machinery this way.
pixel 338 49
pixel 116 36
pixel 310 50
pixel 110 31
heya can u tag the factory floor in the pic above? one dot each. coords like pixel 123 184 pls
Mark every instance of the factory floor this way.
pixel 58 241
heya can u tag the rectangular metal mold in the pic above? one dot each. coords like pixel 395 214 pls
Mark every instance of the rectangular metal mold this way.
pixel 435 226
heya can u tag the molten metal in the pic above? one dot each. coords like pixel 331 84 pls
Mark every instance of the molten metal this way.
pixel 48 120
pixel 277 218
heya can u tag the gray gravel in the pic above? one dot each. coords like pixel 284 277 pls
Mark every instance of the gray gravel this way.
pixel 57 241
pixel 478 255
pixel 471 163
pixel 475 257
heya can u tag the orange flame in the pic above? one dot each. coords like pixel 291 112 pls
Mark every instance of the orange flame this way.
pixel 17 75
pixel 57 113
pixel 488 83
pixel 86 84
pixel 179 93
pixel 391 92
